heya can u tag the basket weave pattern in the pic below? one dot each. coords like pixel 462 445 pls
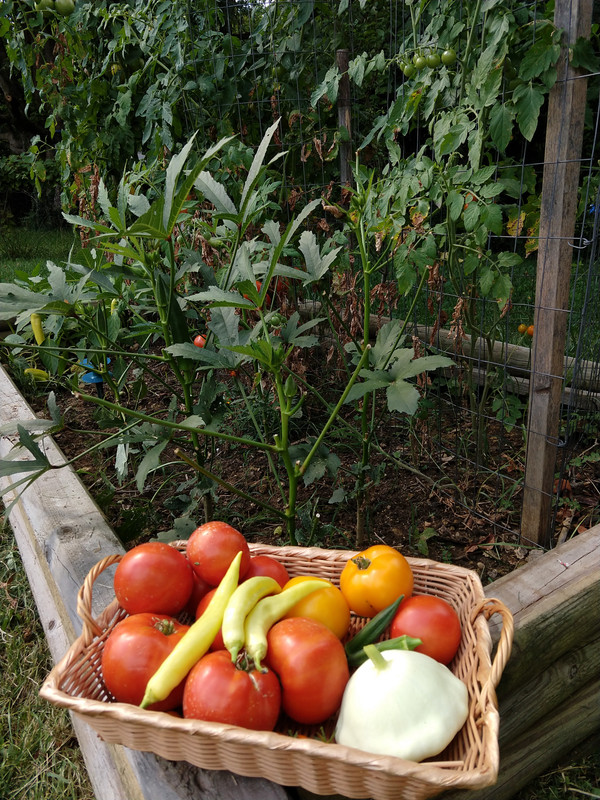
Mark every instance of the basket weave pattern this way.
pixel 285 756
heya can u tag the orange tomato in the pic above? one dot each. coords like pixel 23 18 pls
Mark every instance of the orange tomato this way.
pixel 522 328
pixel 327 605
pixel 374 578
pixel 530 330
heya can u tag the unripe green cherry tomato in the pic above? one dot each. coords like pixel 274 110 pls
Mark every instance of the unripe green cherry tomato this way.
pixel 433 60
pixel 408 69
pixel 449 57
pixel 420 62
pixel 64 7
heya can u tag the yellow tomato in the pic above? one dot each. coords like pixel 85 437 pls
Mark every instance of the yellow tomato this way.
pixel 374 578
pixel 326 605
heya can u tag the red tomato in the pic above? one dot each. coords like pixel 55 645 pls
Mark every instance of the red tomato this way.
pixel 153 577
pixel 212 547
pixel 311 664
pixel 219 690
pixel 218 643
pixel 267 565
pixel 199 340
pixel 433 621
pixel 133 651
pixel 199 589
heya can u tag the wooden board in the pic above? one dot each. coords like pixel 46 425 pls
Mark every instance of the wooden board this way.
pixel 61 535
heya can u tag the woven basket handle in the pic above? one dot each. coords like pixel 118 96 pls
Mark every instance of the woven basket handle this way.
pixel 488 607
pixel 84 597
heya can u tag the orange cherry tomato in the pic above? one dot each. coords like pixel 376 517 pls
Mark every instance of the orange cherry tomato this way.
pixel 327 605
pixel 530 330
pixel 374 578
pixel 522 328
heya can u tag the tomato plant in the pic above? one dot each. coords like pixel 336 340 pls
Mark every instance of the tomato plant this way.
pixel 154 577
pixel 219 690
pixel 374 578
pixel 267 565
pixel 311 664
pixel 212 547
pixel 132 653
pixel 327 605
pixel 433 621
pixel 218 643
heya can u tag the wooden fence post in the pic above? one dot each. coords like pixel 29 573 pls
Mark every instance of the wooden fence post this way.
pixel 564 136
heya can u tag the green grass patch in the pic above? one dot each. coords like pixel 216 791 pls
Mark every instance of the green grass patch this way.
pixel 25 250
pixel 39 753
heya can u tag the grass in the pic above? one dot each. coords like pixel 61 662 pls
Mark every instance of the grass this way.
pixel 25 249
pixel 39 753
pixel 38 750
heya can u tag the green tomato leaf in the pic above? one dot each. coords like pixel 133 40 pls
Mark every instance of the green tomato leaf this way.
pixel 501 125
pixel 538 58
pixel 528 102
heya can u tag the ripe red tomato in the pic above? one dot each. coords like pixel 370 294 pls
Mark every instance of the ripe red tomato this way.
pixel 374 578
pixel 432 620
pixel 311 664
pixel 218 643
pixel 199 340
pixel 219 690
pixel 212 547
pixel 267 565
pixel 134 650
pixel 153 577
pixel 200 588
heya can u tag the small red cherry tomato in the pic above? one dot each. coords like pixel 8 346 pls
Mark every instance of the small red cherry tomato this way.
pixel 218 643
pixel 267 565
pixel 199 340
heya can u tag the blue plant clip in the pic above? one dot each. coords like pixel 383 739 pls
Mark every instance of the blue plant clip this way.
pixel 93 377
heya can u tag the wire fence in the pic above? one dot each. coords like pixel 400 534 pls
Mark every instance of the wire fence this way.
pixel 288 60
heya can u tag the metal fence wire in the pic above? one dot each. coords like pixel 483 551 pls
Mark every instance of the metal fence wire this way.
pixel 377 80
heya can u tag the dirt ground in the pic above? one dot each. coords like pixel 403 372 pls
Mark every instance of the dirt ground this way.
pixel 447 510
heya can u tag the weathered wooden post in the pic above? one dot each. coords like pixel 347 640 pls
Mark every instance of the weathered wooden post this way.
pixel 564 136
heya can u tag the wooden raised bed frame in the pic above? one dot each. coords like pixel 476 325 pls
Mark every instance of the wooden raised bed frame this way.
pixel 549 694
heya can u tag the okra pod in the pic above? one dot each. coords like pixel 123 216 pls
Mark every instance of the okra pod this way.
pixel 266 613
pixel 195 642
pixel 241 603
pixel 399 643
pixel 373 629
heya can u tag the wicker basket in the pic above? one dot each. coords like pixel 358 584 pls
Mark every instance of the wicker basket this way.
pixel 469 762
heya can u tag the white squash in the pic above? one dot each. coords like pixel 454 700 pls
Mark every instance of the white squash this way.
pixel 402 703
